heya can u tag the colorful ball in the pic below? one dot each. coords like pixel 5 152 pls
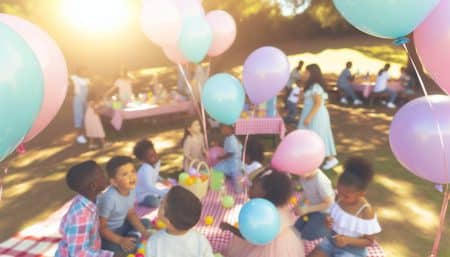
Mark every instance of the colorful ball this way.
pixel 141 250
pixel 190 181
pixel 293 200
pixel 160 224
pixel 228 201
pixel 305 218
pixel 131 255
pixel 183 177
pixel 209 220
pixel 140 255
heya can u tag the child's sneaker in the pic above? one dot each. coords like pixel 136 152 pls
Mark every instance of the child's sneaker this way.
pixel 81 139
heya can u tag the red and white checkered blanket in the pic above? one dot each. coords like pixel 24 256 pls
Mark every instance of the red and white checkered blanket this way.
pixel 41 240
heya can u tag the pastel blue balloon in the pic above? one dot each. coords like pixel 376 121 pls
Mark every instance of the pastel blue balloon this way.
pixel 259 221
pixel 195 38
pixel 21 89
pixel 385 19
pixel 223 98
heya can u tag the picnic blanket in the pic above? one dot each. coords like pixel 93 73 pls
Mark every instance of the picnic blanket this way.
pixel 41 240
pixel 258 126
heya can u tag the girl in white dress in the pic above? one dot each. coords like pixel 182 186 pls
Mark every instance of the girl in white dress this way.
pixel 352 218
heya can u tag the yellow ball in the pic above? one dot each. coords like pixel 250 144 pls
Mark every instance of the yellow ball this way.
pixel 131 255
pixel 141 250
pixel 160 224
pixel 190 181
pixel 305 218
pixel 293 200
pixel 236 224
pixel 209 220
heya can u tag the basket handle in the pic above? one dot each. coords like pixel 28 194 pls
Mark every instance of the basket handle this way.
pixel 192 163
pixel 204 165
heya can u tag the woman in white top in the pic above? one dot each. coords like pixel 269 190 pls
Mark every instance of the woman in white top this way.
pixel 352 218
pixel 381 86
pixel 124 87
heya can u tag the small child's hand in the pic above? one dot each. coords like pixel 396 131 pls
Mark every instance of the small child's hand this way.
pixel 340 241
pixel 128 243
pixel 301 211
pixel 329 222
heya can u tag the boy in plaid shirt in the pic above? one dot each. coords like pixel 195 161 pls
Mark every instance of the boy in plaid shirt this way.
pixel 79 226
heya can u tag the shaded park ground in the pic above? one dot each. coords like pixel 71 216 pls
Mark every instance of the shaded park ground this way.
pixel 407 207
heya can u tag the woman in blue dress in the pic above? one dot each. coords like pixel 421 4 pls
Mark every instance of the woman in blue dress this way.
pixel 315 115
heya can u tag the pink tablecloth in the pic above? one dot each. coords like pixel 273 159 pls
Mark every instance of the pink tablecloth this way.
pixel 258 126
pixel 367 87
pixel 118 116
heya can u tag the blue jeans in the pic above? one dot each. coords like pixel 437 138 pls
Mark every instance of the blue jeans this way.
pixel 292 111
pixel 125 230
pixel 314 228
pixel 348 92
pixel 331 250
pixel 392 94
pixel 79 109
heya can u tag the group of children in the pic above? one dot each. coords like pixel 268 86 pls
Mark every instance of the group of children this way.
pixel 102 220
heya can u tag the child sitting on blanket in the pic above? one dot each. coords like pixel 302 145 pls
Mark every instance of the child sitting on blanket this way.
pixel 79 226
pixel 318 196
pixel 147 193
pixel 254 155
pixel 231 162
pixel 120 227
pixel 352 218
pixel 275 187
pixel 180 210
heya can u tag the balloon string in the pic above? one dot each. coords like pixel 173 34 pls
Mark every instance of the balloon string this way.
pixel 444 205
pixel 244 154
pixel 201 113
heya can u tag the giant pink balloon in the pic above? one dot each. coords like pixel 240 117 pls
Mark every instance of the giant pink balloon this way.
pixel 300 152
pixel 161 22
pixel 223 27
pixel 433 44
pixel 53 66
pixel 265 73
pixel 415 141
pixel 174 54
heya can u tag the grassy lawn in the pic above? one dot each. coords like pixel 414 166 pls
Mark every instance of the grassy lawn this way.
pixel 407 207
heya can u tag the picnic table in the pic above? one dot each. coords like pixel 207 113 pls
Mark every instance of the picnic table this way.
pixel 366 86
pixel 260 126
pixel 136 111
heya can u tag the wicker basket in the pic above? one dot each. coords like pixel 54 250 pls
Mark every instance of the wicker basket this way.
pixel 200 187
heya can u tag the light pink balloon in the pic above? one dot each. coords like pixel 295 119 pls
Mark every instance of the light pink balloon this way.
pixel 433 44
pixel 174 55
pixel 224 31
pixel 300 152
pixel 189 7
pixel 53 66
pixel 161 22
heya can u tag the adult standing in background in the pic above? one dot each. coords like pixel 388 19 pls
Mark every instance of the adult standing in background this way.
pixel 315 115
pixel 81 84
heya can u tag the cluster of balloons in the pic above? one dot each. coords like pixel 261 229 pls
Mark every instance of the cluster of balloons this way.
pixel 266 71
pixel 184 32
pixel 33 81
